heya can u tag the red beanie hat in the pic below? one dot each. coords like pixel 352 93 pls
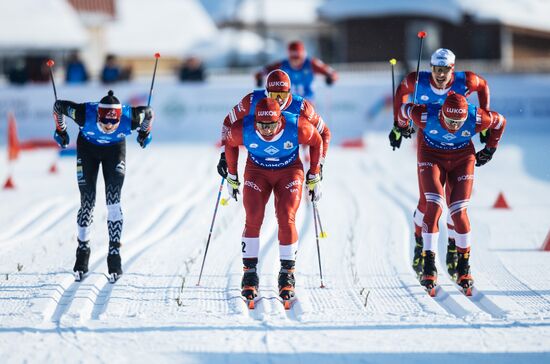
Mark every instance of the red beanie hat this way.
pixel 455 107
pixel 296 49
pixel 277 81
pixel 267 111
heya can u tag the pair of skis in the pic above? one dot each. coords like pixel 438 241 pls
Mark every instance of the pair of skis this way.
pixel 432 290
pixel 252 298
pixel 80 275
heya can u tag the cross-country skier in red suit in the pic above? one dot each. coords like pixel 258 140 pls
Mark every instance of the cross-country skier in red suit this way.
pixel 301 69
pixel 272 139
pixel 446 156
pixel 277 87
pixel 433 87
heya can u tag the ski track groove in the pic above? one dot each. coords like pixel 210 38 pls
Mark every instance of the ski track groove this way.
pixel 53 306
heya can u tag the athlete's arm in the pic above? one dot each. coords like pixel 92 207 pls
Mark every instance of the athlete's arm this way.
pixel 234 139
pixel 495 122
pixel 320 67
pixel 416 113
pixel 405 88
pixel 476 83
pixel 308 112
pixel 238 112
pixel 308 135
pixel 75 111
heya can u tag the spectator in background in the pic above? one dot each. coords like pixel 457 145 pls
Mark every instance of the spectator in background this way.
pixel 192 70
pixel 113 72
pixel 18 75
pixel 301 70
pixel 75 71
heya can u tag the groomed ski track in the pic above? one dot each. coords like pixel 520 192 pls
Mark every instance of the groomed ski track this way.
pixel 372 308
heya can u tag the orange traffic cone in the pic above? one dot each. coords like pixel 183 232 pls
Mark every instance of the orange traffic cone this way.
pixel 501 203
pixel 546 244
pixel 9 185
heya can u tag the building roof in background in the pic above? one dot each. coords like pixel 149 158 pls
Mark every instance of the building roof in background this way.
pixel 40 25
pixel 171 27
pixel 274 12
pixel 106 7
pixel 529 14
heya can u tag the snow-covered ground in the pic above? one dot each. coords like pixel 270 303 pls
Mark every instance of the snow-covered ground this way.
pixel 372 309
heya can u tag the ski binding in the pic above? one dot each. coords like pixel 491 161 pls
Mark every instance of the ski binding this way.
pixel 113 277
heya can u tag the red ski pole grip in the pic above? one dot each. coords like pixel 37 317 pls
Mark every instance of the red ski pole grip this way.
pixel 157 55
pixel 422 34
pixel 50 63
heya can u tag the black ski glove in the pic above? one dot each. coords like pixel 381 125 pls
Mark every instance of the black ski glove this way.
pixel 484 136
pixel 62 138
pixel 395 138
pixel 484 156
pixel 329 80
pixel 222 166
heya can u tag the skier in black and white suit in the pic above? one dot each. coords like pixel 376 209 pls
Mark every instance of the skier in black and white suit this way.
pixel 101 140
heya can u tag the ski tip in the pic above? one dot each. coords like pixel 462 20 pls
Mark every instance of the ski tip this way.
pixel 287 304
pixel 251 304
pixel 432 292
pixel 468 291
pixel 114 277
pixel 78 276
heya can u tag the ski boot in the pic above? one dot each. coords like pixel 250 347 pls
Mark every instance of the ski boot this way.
pixel 286 282
pixel 429 272
pixel 250 281
pixel 114 262
pixel 465 279
pixel 82 258
pixel 452 259
pixel 418 259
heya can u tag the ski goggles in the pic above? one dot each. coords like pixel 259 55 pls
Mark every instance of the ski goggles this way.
pixel 267 127
pixel 282 95
pixel 453 124
pixel 109 114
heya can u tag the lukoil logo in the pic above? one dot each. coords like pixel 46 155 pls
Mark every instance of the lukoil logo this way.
pixel 267 113
pixel 454 110
pixel 277 83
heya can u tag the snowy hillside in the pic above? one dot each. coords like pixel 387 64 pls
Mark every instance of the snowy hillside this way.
pixel 372 309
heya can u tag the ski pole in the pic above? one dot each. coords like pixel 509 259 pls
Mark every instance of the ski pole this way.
pixel 421 35
pixel 322 233
pixel 314 205
pixel 50 64
pixel 211 228
pixel 393 61
pixel 157 56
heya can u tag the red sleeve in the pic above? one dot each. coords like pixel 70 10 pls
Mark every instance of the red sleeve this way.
pixel 491 120
pixel 234 139
pixel 476 83
pixel 308 135
pixel 238 112
pixel 405 88
pixel 323 68
pixel 417 113
pixel 308 112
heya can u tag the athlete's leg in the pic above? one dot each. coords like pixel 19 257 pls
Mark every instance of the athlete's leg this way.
pixel 87 167
pixel 114 169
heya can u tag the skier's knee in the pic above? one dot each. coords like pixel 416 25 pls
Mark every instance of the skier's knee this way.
pixel 114 212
